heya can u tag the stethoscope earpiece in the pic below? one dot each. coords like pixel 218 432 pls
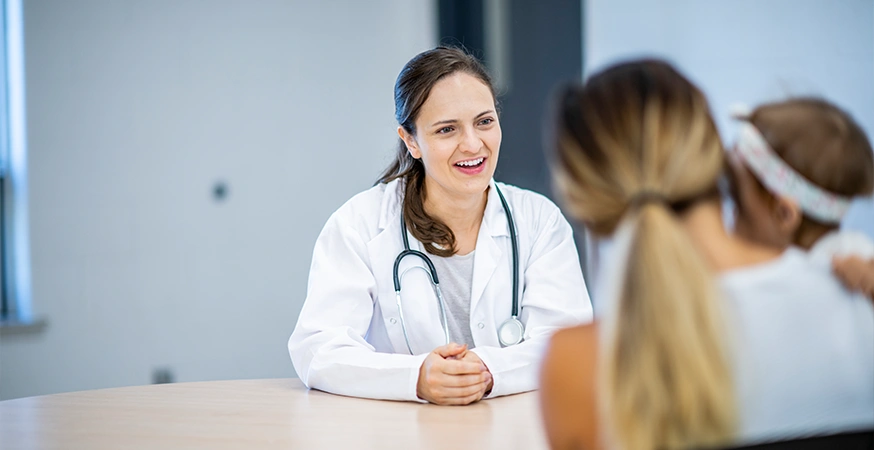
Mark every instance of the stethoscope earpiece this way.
pixel 511 332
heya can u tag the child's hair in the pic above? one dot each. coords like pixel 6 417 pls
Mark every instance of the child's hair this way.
pixel 822 143
pixel 634 147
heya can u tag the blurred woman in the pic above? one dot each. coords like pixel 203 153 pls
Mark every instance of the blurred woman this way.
pixel 707 338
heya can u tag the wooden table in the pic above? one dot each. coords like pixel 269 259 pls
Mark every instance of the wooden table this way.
pixel 277 413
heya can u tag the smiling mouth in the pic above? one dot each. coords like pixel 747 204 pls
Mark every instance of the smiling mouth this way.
pixel 471 163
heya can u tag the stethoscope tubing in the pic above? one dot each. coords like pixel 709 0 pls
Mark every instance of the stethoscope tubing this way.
pixel 511 223
pixel 432 273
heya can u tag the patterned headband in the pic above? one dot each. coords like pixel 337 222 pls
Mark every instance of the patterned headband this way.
pixel 783 180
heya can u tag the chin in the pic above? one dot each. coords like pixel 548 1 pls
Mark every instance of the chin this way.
pixel 481 184
pixel 474 187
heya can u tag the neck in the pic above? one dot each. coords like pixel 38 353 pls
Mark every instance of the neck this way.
pixel 463 215
pixel 808 233
pixel 723 251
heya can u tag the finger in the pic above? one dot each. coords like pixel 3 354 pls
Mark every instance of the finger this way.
pixel 461 401
pixel 451 349
pixel 848 279
pixel 847 261
pixel 461 355
pixel 838 265
pixel 457 381
pixel 460 395
pixel 461 367
pixel 472 357
pixel 456 401
pixel 436 380
pixel 473 398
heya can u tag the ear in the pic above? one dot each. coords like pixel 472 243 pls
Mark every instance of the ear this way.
pixel 787 215
pixel 410 141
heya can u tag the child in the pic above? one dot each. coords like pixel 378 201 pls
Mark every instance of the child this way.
pixel 795 168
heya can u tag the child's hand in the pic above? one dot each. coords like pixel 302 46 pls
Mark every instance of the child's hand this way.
pixel 856 273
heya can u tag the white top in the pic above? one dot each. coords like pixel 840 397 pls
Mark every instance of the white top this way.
pixel 842 243
pixel 348 339
pixel 456 277
pixel 803 346
pixel 803 349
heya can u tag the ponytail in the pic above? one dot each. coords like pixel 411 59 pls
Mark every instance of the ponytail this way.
pixel 437 238
pixel 636 147
pixel 665 375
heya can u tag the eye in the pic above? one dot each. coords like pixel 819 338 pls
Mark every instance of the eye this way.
pixel 487 121
pixel 444 130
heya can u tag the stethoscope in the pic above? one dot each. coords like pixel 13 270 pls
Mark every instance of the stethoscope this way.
pixel 509 333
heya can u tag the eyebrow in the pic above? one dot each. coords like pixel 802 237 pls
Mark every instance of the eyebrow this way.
pixel 451 121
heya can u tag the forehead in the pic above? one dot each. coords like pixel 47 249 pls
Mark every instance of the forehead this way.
pixel 457 96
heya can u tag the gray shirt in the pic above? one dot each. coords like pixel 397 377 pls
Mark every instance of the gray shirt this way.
pixel 456 278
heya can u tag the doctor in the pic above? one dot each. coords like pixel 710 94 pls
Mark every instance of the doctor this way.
pixel 439 284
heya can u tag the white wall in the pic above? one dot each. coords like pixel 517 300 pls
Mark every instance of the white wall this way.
pixel 135 109
pixel 749 51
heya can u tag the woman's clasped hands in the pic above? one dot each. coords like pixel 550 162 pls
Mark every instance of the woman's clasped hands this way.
pixel 453 375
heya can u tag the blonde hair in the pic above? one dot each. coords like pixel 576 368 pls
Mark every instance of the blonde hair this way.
pixel 635 146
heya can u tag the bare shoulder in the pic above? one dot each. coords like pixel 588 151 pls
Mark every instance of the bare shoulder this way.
pixel 568 397
pixel 574 336
pixel 571 354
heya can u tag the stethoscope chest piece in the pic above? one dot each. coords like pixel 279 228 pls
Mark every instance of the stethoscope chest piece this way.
pixel 510 332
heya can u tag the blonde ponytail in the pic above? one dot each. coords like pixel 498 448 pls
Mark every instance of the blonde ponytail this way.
pixel 636 146
pixel 664 376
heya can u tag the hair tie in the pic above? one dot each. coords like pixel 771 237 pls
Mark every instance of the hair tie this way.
pixel 645 197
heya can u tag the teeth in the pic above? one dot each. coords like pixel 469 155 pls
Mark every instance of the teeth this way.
pixel 471 163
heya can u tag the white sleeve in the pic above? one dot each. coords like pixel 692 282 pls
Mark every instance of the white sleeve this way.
pixel 328 346
pixel 842 243
pixel 554 296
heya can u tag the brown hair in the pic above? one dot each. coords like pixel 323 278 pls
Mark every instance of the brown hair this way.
pixel 822 143
pixel 635 145
pixel 412 88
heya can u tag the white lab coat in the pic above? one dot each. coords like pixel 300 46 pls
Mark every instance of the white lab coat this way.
pixel 348 339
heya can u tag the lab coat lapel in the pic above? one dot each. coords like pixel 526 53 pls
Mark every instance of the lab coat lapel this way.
pixel 488 253
pixel 383 249
pixel 419 300
pixel 484 264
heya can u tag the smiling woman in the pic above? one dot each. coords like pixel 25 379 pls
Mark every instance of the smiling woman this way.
pixel 482 292
pixel 447 114
pixel 458 143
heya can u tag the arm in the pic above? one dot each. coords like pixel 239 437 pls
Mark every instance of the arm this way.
pixel 856 273
pixel 327 347
pixel 568 398
pixel 554 296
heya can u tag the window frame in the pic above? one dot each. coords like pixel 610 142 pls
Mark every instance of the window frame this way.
pixel 15 310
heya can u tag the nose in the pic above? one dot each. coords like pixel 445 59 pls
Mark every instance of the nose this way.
pixel 470 141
